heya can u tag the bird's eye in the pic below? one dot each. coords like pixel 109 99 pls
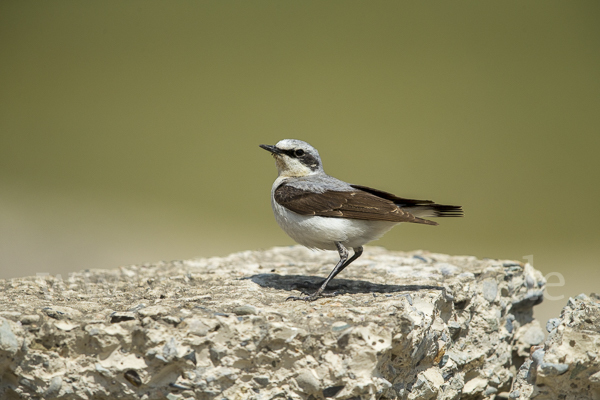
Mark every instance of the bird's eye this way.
pixel 299 153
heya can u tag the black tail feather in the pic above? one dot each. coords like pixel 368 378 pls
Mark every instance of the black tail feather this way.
pixel 442 210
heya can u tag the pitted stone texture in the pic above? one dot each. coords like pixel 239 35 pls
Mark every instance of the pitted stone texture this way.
pixel 403 325
pixel 567 365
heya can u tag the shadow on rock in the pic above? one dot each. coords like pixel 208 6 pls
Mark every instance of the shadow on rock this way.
pixel 305 283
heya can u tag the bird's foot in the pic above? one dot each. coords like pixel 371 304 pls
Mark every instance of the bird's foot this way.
pixel 312 297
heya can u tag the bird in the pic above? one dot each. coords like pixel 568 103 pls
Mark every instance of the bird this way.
pixel 322 212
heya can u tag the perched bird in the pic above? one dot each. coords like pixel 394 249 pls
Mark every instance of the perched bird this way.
pixel 322 212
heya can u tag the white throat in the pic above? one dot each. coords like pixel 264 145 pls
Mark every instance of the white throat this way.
pixel 291 167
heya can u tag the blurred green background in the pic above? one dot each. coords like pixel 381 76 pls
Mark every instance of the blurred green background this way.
pixel 129 131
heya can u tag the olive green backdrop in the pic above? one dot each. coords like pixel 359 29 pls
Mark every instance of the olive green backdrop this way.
pixel 129 131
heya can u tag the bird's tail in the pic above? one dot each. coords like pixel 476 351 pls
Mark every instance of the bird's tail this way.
pixel 433 210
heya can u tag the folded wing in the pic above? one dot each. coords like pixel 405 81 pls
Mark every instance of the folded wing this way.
pixel 356 204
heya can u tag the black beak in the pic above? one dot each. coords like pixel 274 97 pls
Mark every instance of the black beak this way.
pixel 272 149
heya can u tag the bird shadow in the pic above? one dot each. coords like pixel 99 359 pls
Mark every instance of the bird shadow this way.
pixel 305 283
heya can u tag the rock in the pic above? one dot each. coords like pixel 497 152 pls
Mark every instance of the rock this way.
pixel 153 312
pixel 568 365
pixel 530 299
pixel 8 340
pixel 339 326
pixel 53 388
pixel 447 269
pixel 245 310
pixel 428 384
pixel 201 327
pixel 533 335
pixel 490 290
pixel 12 315
pixel 552 369
pixel 30 319
pixel 262 380
pixel 66 325
pixel 169 351
pixel 307 381
pixel 169 319
pixel 58 312
pixel 403 325
pixel 490 391
pixel 474 386
pixel 9 345
pixel 552 324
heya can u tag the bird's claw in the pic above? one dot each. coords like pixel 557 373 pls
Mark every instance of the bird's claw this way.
pixel 312 297
pixel 305 298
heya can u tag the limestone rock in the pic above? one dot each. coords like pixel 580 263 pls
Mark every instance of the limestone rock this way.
pixel 567 364
pixel 404 325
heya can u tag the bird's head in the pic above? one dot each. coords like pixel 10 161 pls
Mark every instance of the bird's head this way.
pixel 295 158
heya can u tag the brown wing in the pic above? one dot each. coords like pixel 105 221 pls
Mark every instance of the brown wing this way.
pixel 354 205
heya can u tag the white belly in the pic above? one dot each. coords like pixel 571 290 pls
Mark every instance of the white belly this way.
pixel 323 232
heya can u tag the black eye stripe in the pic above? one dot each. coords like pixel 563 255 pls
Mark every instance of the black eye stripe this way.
pixel 306 158
pixel 290 152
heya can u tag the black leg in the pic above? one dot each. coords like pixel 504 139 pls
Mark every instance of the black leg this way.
pixel 357 253
pixel 343 263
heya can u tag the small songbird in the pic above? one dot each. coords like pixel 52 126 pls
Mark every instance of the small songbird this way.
pixel 322 212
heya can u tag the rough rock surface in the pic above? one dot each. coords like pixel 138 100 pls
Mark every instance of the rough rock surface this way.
pixel 567 365
pixel 403 325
